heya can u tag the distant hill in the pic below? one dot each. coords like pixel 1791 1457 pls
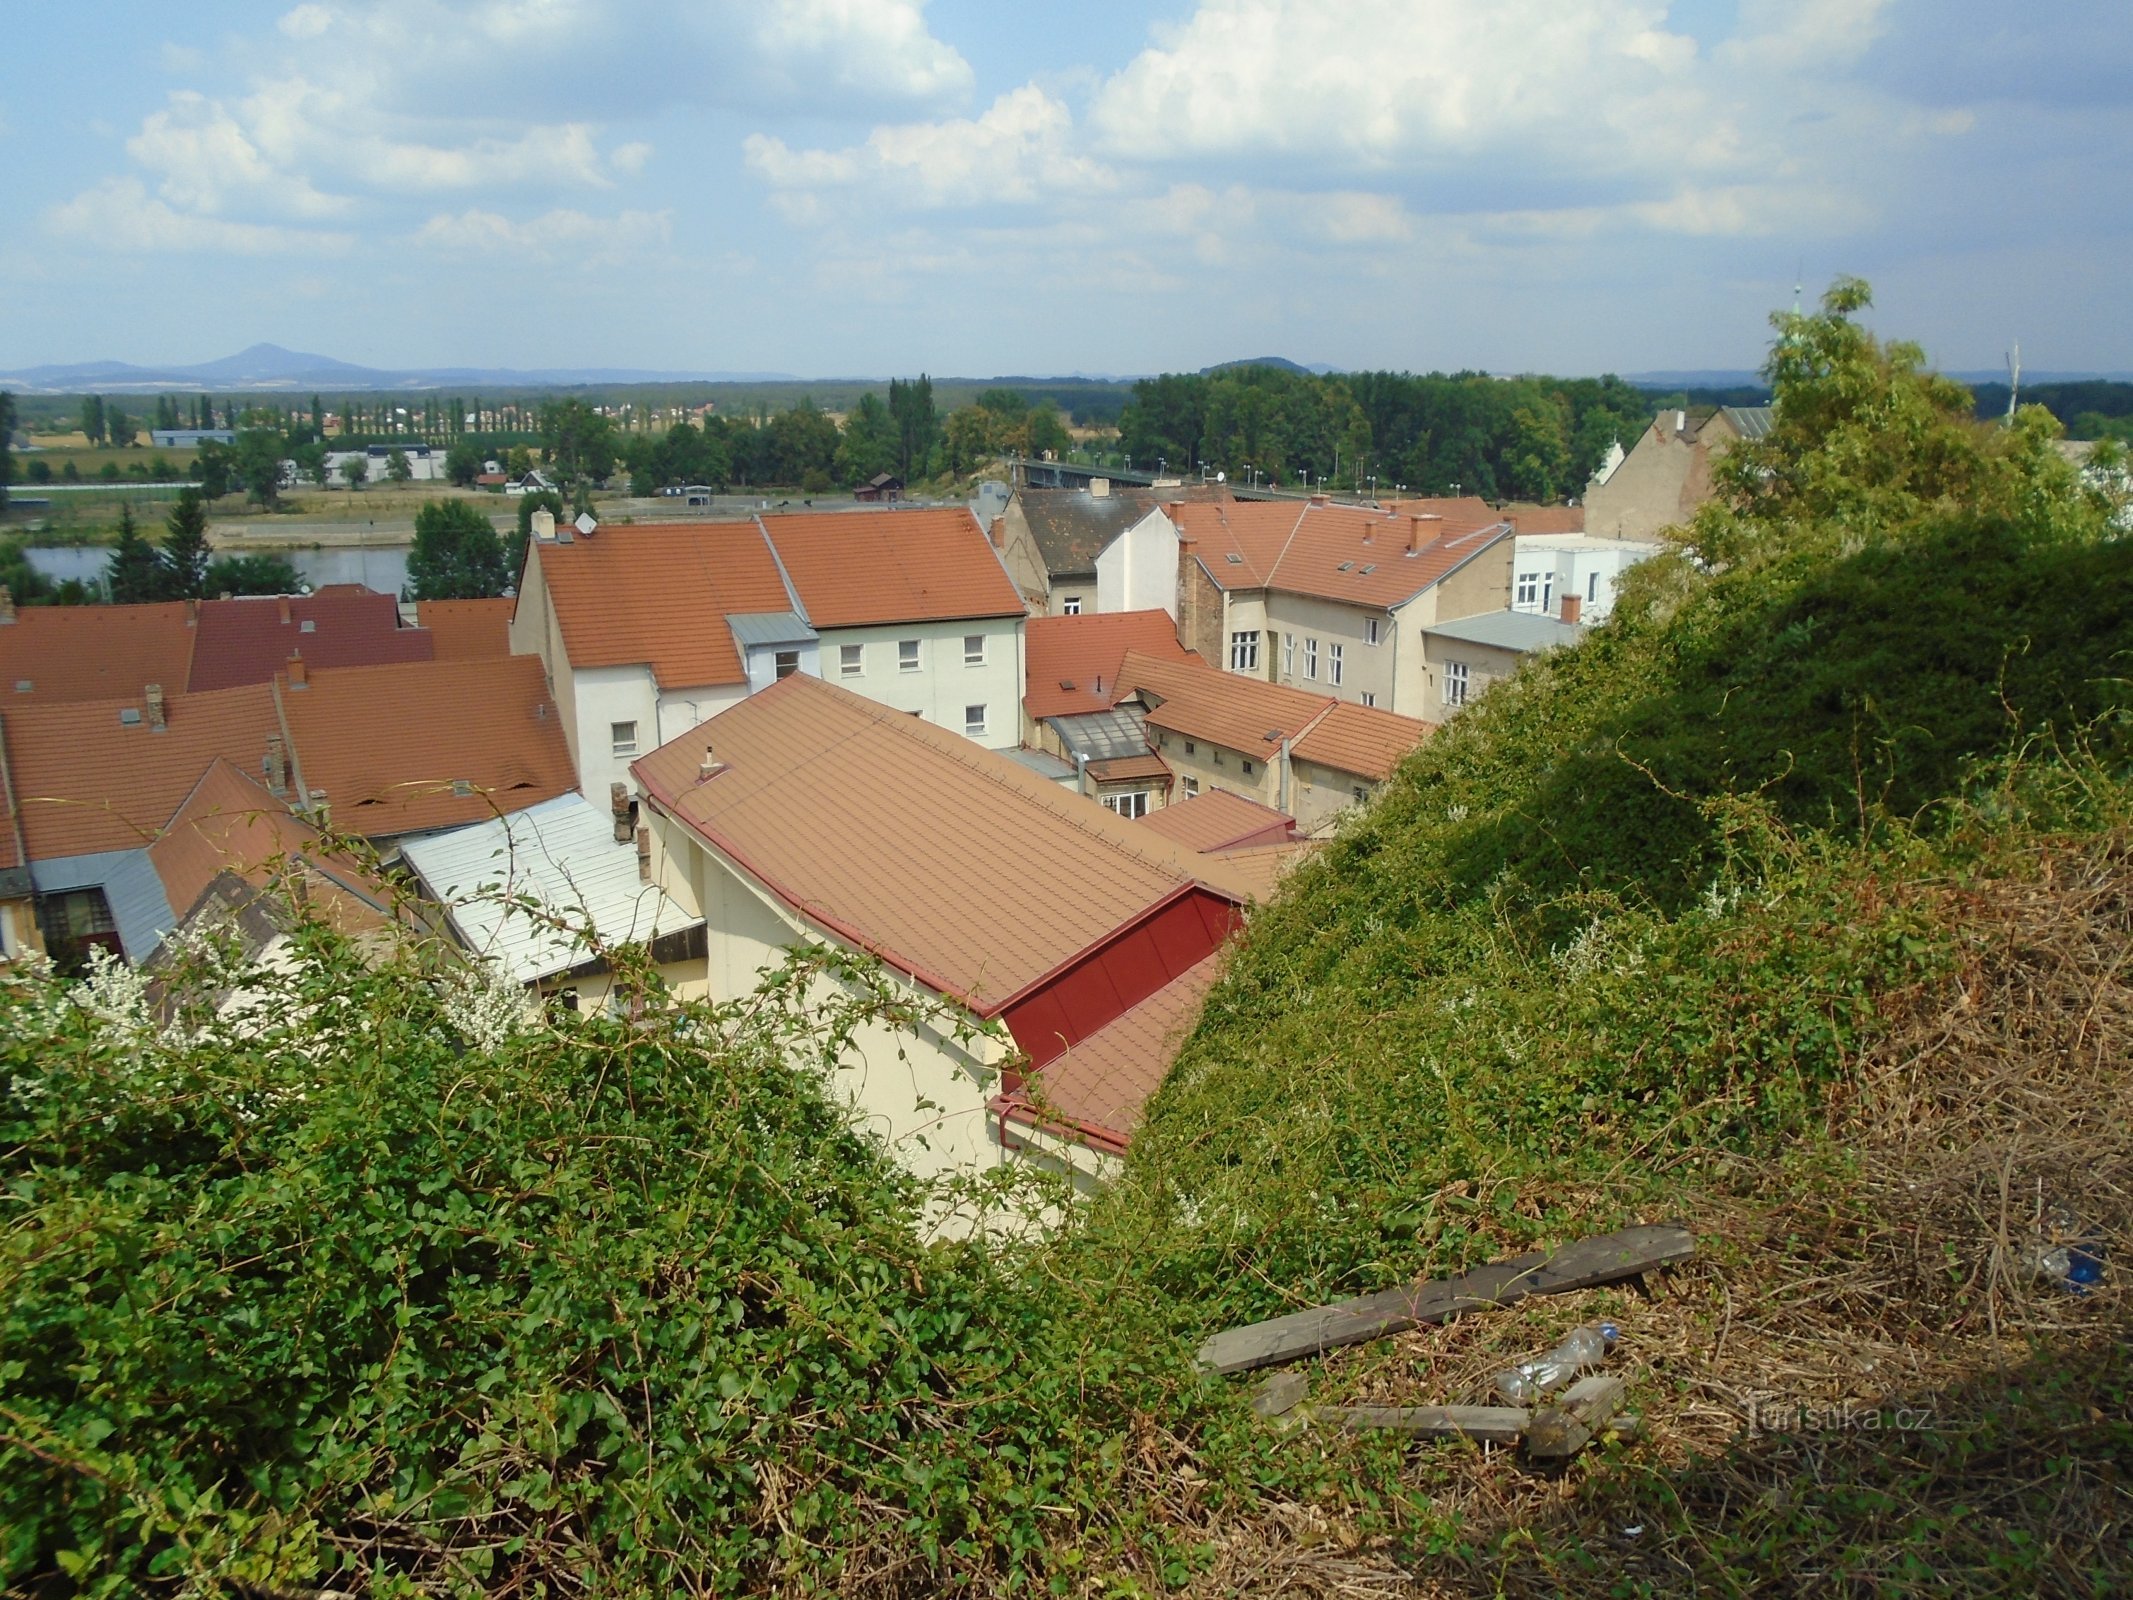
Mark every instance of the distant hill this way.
pixel 1282 363
pixel 271 367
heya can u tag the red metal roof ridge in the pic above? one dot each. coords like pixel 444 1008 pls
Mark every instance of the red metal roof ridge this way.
pixel 1014 1105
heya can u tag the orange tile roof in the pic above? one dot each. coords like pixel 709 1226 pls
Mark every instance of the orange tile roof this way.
pixel 1225 708
pixel 1263 866
pixel 467 630
pixel 1362 739
pixel 948 860
pixel 87 782
pixel 68 653
pixel 1219 820
pixel 1123 769
pixel 1101 1085
pixel 659 595
pixel 1073 661
pixel 390 745
pixel 1332 552
pixel 249 640
pixel 852 568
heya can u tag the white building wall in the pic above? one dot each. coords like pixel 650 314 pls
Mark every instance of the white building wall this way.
pixel 1365 668
pixel 1558 566
pixel 1138 571
pixel 762 662
pixel 944 684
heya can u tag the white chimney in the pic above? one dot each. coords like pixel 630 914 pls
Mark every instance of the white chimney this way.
pixel 544 524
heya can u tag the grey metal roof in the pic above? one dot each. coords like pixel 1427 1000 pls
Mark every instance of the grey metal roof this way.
pixel 1522 631
pixel 1043 763
pixel 1752 421
pixel 1101 735
pixel 562 855
pixel 129 881
pixel 769 627
pixel 1072 526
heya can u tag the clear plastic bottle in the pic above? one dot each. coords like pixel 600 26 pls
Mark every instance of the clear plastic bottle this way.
pixel 1586 1347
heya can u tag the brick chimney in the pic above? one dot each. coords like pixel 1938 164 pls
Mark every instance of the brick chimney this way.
pixel 156 722
pixel 1321 500
pixel 618 803
pixel 299 673
pixel 1422 527
pixel 275 766
pixel 997 533
pixel 1573 607
pixel 644 855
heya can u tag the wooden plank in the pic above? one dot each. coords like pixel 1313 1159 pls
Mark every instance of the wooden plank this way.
pixel 1488 1424
pixel 1281 1392
pixel 1606 1258
pixel 1561 1430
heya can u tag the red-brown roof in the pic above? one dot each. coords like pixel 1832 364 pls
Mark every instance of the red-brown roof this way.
pixel 659 596
pixel 1361 739
pixel 1224 708
pixel 1073 661
pixel 1219 820
pixel 249 640
pixel 1545 519
pixel 432 744
pixel 51 655
pixel 852 568
pixel 1125 769
pixel 467 630
pixel 1355 554
pixel 947 860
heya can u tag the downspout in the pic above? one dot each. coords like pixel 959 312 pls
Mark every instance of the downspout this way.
pixel 1288 744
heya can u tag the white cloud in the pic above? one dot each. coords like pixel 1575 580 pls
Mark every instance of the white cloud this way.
pixel 119 214
pixel 205 160
pixel 306 22
pixel 557 235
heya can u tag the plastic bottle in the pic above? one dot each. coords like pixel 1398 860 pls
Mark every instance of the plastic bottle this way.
pixel 1530 1380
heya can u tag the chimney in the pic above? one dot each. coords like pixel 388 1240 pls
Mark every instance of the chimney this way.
pixel 994 533
pixel 1099 488
pixel 7 605
pixel 1417 533
pixel 618 803
pixel 299 674
pixel 644 855
pixel 544 524
pixel 1321 500
pixel 284 611
pixel 1573 607
pixel 276 766
pixel 156 723
pixel 709 767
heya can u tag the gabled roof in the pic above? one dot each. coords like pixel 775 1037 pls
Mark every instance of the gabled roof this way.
pixel 466 630
pixel 561 855
pixel 1357 554
pixel 1361 739
pixel 69 653
pixel 88 779
pixel 1071 527
pixel 853 568
pixel 432 744
pixel 1224 708
pixel 250 639
pixel 657 595
pixel 1219 820
pixel 1073 661
pixel 949 861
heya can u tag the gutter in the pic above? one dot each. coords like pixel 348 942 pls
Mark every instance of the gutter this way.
pixel 1012 1107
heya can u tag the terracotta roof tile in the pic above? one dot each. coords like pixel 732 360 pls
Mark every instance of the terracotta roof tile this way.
pixel 1545 519
pixel 851 568
pixel 68 653
pixel 1085 651
pixel 87 781
pixel 1333 552
pixel 431 744
pixel 249 640
pixel 948 860
pixel 1219 820
pixel 467 630
pixel 1224 708
pixel 1362 739
pixel 1123 769
pixel 657 595
pixel 1263 866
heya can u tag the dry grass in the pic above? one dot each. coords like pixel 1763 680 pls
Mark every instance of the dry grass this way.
pixel 1863 1385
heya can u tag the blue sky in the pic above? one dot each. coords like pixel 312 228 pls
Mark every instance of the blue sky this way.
pixel 831 187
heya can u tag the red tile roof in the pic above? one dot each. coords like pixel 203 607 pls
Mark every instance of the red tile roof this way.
pixel 68 653
pixel 852 568
pixel 1219 820
pixel 660 596
pixel 432 744
pixel 1545 519
pixel 1073 661
pixel 467 630
pixel 1224 708
pixel 249 640
pixel 1361 739
pixel 947 860
pixel 1124 769
pixel 1346 553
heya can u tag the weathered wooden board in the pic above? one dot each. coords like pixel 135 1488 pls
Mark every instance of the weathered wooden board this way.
pixel 1561 1430
pixel 1606 1258
pixel 1282 1392
pixel 1489 1424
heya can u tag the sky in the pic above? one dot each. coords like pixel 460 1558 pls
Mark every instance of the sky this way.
pixel 971 188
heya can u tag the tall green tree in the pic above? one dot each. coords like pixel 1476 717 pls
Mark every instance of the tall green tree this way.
pixel 917 424
pixel 462 463
pixel 135 573
pixel 580 442
pixel 356 469
pixel 186 553
pixel 398 469
pixel 258 465
pixel 457 555
pixel 92 419
pixel 253 574
pixel 870 445
pixel 118 427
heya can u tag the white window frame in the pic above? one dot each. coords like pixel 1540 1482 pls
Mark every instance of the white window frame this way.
pixel 1192 788
pixel 1311 658
pixel 1288 655
pixel 1458 683
pixel 908 656
pixel 1244 650
pixel 973 722
pixel 1371 630
pixel 777 663
pixel 851 660
pixel 1070 606
pixel 1333 664
pixel 1369 699
pixel 624 743
pixel 1529 589
pixel 1548 589
pixel 1592 587
pixel 1132 804
pixel 973 649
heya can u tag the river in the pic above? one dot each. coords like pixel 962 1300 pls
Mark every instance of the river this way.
pixel 380 567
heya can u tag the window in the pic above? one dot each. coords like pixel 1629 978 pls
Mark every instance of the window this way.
pixel 1333 663
pixel 1529 588
pixel 1217 757
pixel 623 735
pixel 1361 794
pixel 1288 655
pixel 1455 683
pixel 1070 606
pixel 1548 590
pixel 1244 651
pixel 788 662
pixel 1592 587
pixel 907 655
pixel 849 659
pixel 1191 749
pixel 974 721
pixel 1131 806
pixel 1247 769
pixel 1310 658
pixel 1370 630
pixel 1369 699
pixel 973 649
pixel 1192 788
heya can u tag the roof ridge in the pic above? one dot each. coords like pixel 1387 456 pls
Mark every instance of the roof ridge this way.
pixel 792 591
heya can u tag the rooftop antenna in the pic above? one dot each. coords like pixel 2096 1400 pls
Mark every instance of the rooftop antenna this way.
pixel 1799 278
pixel 2014 378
